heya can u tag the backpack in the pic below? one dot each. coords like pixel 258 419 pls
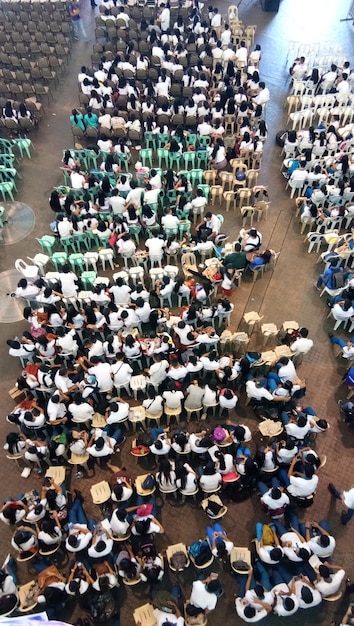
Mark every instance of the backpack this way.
pixel 148 483
pixel 200 551
pixel 337 280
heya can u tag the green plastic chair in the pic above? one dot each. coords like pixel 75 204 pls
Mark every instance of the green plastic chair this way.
pixel 62 189
pixel 205 189
pixel 150 140
pixel 81 238
pixel 135 230
pixel 191 139
pixel 175 158
pixel 78 193
pixel 6 188
pixel 196 177
pixel 204 140
pixel 203 158
pixel 7 159
pixel 123 160
pixel 171 198
pixel 183 214
pixel 7 175
pixel 189 157
pixel 145 156
pixel 23 144
pixel 47 242
pixel 66 174
pixel 81 156
pixel 220 218
pixel 162 139
pixel 6 146
pixel 92 239
pixel 163 155
pixel 58 259
pixel 77 260
pixel 88 279
pixel 68 242
pixel 170 231
pixel 92 157
pixel 184 227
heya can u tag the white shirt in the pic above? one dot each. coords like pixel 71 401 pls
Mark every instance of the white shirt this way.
pixel 278 607
pixel 155 246
pixel 302 345
pixel 121 372
pixel 68 285
pixel 240 610
pixel 158 371
pixel 201 598
pixel 316 595
pixel 301 487
pixel 173 399
pixel 102 371
pixel 329 588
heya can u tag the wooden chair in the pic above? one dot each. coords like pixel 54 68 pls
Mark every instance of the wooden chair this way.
pixel 189 621
pixel 100 492
pixel 144 615
pixel 171 550
pixel 138 486
pixel 26 604
pixel 240 554
pixel 217 500
pixel 334 597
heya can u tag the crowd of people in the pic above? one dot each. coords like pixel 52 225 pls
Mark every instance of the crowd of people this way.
pixel 81 355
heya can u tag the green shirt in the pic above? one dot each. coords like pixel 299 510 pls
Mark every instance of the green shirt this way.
pixel 236 259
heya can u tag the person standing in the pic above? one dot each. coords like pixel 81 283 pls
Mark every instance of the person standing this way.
pixel 76 19
pixel 347 497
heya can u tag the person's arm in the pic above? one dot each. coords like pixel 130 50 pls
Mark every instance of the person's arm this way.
pixel 267 607
pixel 249 578
pixel 307 581
pixel 298 534
pixel 291 468
pixel 156 521
pixel 332 565
pixel 72 573
pixel 88 577
pixel 320 528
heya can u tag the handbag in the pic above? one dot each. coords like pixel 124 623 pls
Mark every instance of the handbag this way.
pixel 213 509
pixel 148 483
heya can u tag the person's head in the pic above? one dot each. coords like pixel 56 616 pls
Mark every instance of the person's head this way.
pixel 288 604
pixel 324 541
pixel 213 586
pixel 309 470
pixel 306 594
pixel 303 554
pixel 99 443
pixel 276 554
pixel 100 546
pixel 275 493
pixel 302 420
pixel 249 612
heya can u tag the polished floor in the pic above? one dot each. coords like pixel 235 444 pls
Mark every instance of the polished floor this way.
pixel 286 294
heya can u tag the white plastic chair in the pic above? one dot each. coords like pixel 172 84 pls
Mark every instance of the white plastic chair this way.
pixel 40 260
pixel 28 271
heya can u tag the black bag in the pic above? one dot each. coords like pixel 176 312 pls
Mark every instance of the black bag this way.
pixel 263 411
pixel 337 280
pixel 149 483
pixel 213 508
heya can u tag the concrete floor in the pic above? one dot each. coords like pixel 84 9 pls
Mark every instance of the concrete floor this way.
pixel 287 293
